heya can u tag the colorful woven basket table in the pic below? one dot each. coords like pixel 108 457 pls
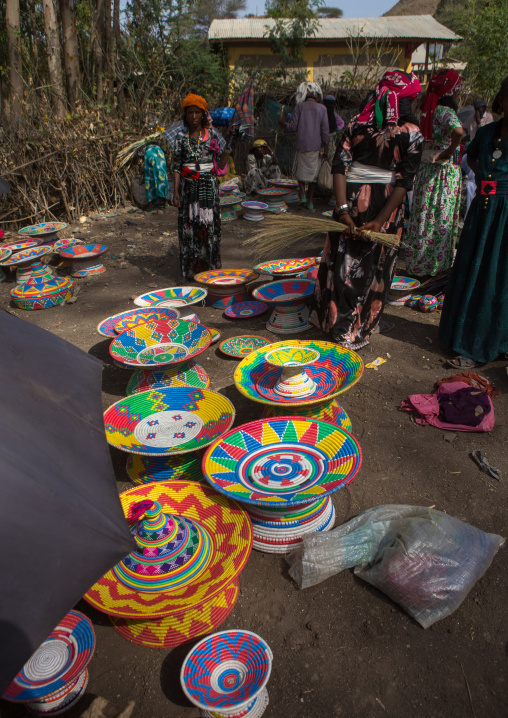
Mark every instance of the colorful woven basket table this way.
pixel 294 379
pixel 274 198
pixel 231 206
pixel 34 272
pixel 160 343
pixel 61 701
pixel 168 421
pixel 224 673
pixel 172 297
pixel 290 184
pixel 282 268
pixel 255 379
pixel 183 467
pixel 280 530
pixel 118 323
pixel 211 540
pixel 59 661
pixel 399 289
pixel 46 231
pixel 24 260
pixel 253 211
pixel 225 286
pixel 289 298
pixel 42 295
pixel 18 246
pixel 329 410
pixel 242 346
pixel 5 253
pixel 84 257
pixel 245 310
pixel 252 710
pixel 282 461
pixel 64 243
pixel 185 374
pixel 180 626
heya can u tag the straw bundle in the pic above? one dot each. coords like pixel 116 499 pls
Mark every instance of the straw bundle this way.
pixel 128 152
pixel 290 230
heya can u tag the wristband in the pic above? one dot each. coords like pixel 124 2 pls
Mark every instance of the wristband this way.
pixel 344 206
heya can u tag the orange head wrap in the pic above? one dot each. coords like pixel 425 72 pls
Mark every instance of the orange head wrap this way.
pixel 195 101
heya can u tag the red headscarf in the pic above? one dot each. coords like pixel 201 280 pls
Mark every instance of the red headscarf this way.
pixel 445 83
pixel 384 108
pixel 195 101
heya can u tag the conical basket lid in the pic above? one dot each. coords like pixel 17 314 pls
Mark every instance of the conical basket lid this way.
pixel 172 550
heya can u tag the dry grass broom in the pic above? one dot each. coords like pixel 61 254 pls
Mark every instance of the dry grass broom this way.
pixel 127 153
pixel 290 230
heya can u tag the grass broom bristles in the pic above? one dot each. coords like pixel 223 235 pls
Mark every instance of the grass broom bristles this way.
pixel 128 152
pixel 290 230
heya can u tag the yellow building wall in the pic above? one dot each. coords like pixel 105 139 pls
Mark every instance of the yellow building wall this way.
pixel 311 54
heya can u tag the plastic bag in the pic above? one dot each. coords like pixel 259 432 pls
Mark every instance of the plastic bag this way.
pixel 423 559
pixel 325 177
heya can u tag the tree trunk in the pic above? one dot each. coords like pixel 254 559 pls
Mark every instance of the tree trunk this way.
pixel 54 59
pixel 13 40
pixel 110 52
pixel 116 45
pixel 99 44
pixel 71 52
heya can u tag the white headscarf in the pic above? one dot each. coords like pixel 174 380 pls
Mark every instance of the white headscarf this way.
pixel 308 87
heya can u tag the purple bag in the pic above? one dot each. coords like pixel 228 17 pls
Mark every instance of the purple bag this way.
pixel 427 408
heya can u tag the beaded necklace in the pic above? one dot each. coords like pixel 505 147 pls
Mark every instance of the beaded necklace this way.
pixel 194 154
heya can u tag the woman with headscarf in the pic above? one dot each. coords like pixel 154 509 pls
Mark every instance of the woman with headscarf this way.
pixel 262 165
pixel 474 322
pixel 198 151
pixel 434 222
pixel 373 168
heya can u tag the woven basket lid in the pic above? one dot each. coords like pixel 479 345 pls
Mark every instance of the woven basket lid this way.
pixel 45 288
pixel 172 550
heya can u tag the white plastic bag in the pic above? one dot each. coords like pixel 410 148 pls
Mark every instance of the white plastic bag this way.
pixel 325 177
pixel 423 559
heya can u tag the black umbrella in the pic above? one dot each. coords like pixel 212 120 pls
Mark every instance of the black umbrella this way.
pixel 61 522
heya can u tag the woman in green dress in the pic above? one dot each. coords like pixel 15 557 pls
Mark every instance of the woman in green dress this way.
pixel 474 322
pixel 434 222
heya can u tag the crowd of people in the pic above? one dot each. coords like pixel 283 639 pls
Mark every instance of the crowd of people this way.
pixel 397 150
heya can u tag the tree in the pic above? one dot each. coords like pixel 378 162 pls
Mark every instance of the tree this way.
pixel 54 59
pixel 14 41
pixel 71 51
pixel 295 22
pixel 483 26
pixel 330 12
pixel 207 10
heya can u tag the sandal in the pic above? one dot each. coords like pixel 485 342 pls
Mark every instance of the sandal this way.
pixel 461 362
pixel 302 202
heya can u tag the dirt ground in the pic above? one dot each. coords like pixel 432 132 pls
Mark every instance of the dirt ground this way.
pixel 340 648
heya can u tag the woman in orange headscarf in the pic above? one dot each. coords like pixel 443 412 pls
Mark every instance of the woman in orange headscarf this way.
pixel 199 153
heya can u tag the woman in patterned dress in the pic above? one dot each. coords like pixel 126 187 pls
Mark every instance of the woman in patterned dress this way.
pixel 374 165
pixel 196 147
pixel 434 222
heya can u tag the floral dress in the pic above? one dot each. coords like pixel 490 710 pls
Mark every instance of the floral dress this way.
pixel 434 222
pixel 355 275
pixel 199 217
